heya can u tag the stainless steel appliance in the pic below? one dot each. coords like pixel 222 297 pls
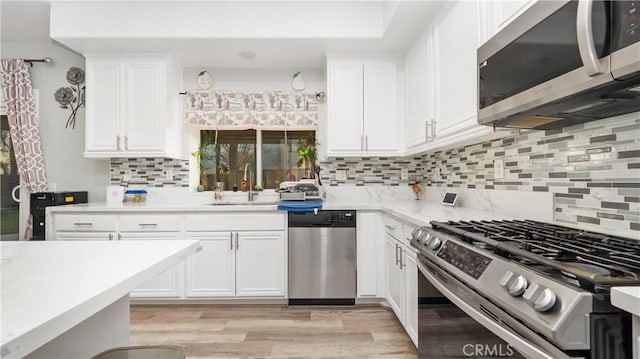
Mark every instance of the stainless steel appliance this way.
pixel 322 257
pixel 542 288
pixel 39 202
pixel 561 63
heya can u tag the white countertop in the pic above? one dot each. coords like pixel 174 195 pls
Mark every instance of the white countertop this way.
pixel 626 298
pixel 49 287
pixel 417 212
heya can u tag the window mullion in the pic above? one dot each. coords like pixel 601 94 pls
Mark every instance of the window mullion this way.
pixel 259 157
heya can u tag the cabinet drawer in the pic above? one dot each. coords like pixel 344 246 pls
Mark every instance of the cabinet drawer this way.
pixel 236 222
pixel 85 222
pixel 392 227
pixel 150 223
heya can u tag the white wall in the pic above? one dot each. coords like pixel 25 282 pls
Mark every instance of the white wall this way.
pixel 62 147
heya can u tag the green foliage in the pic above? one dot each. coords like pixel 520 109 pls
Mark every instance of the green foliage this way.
pixel 307 151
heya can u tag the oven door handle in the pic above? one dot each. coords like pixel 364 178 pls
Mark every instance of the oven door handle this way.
pixel 513 339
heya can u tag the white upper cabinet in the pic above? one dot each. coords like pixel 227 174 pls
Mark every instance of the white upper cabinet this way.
pixel 456 44
pixel 495 15
pixel 364 117
pixel 345 107
pixel 441 78
pixel 419 90
pixel 132 107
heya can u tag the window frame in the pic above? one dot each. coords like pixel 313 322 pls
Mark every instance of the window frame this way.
pixel 194 145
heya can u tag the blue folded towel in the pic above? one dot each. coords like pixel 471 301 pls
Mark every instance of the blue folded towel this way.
pixel 300 206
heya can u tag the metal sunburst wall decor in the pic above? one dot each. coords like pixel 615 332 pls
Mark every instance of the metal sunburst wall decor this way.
pixel 72 97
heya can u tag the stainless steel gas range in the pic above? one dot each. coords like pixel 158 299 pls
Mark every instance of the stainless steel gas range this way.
pixel 542 288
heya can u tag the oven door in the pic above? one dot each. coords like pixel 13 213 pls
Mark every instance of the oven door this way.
pixel 476 328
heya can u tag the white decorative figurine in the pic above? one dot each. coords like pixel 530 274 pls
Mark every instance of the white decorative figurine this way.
pixel 204 80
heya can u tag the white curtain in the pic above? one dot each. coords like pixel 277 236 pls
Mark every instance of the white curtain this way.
pixel 23 125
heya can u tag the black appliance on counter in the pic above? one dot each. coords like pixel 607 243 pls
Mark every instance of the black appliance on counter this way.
pixel 41 200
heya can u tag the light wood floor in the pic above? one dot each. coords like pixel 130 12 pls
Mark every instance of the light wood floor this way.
pixel 272 331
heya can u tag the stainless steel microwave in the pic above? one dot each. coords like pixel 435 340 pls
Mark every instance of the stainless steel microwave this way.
pixel 561 63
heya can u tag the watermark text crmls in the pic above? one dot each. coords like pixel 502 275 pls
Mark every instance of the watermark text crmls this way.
pixel 488 350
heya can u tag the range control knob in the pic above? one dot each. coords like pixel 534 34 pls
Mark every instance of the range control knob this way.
pixel 514 284
pixel 426 238
pixel 540 297
pixel 435 243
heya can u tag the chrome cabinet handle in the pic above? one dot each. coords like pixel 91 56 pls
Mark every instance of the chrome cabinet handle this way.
pixel 430 130
pixel 426 130
pixel 110 236
pixel 434 131
pixel 148 224
pixel 237 242
pixel 397 260
pixel 586 45
pixel 126 143
pixel 231 240
pixel 118 143
pixel 361 142
pixel 366 142
pixel 402 265
pixel 83 224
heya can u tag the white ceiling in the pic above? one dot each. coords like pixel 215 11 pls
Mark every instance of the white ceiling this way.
pixel 399 24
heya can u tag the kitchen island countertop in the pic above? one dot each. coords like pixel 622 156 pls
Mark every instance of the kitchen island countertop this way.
pixel 50 287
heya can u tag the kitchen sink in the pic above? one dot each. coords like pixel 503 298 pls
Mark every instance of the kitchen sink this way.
pixel 231 204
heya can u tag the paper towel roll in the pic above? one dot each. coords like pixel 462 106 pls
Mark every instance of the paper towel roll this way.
pixel 115 194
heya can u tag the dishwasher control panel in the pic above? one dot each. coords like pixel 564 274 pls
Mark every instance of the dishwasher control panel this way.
pixel 323 219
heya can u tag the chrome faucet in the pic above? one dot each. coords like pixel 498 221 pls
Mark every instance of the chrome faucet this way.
pixel 250 195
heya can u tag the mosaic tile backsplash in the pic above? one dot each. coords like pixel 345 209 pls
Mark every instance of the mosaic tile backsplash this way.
pixel 150 172
pixel 593 169
pixel 363 171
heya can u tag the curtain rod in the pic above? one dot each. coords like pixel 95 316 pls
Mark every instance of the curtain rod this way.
pixel 46 60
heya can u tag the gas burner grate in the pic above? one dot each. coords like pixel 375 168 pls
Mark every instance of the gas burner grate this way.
pixel 559 248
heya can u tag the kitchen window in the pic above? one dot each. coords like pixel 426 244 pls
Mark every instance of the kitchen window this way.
pixel 272 157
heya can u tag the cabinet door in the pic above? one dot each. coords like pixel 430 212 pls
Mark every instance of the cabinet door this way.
pixel 456 68
pixel 84 236
pixel 366 242
pixel 211 272
pixel 345 112
pixel 260 264
pixel 104 105
pixel 410 269
pixel 145 106
pixel 381 121
pixel 167 284
pixel 395 279
pixel 419 82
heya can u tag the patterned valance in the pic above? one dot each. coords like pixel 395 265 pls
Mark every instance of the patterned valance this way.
pixel 270 111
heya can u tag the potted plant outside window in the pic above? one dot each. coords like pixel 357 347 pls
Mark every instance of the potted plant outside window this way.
pixel 307 155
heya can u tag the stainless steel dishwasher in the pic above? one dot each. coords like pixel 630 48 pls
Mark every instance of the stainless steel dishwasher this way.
pixel 322 258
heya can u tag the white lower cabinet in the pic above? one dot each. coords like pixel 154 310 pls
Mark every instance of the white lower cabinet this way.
pixel 84 236
pixel 370 279
pixel 211 272
pixel 395 277
pixel 261 264
pixel 402 276
pixel 168 284
pixel 411 294
pixel 237 264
